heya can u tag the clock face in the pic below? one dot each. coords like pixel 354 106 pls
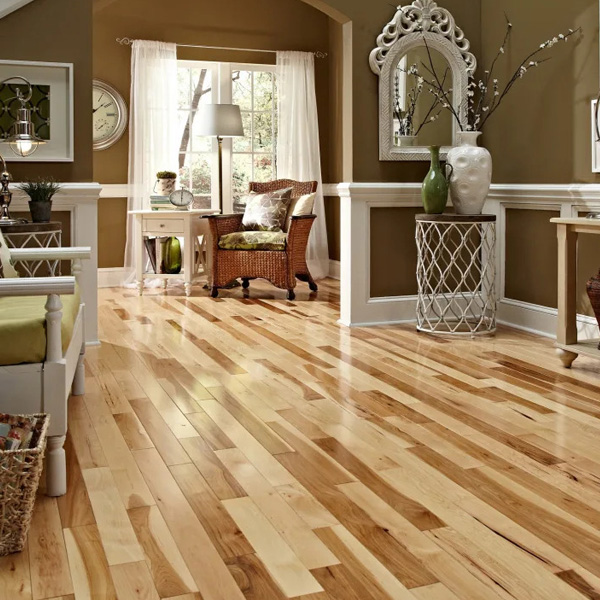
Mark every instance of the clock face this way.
pixel 109 115
pixel 181 198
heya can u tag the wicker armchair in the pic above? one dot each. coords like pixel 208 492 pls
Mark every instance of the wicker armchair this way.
pixel 281 267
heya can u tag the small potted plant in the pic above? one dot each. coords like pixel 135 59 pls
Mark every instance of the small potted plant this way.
pixel 40 194
pixel 165 183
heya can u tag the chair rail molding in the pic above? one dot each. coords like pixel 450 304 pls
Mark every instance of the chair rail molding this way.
pixel 81 201
pixel 358 308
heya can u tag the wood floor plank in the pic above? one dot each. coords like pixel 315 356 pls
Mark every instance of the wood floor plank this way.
pixel 118 538
pixel 88 564
pixel 224 533
pixel 218 477
pixel 210 573
pixel 281 562
pixel 133 431
pixel 15 576
pixel 128 479
pixel 162 437
pixel 74 507
pixel 48 562
pixel 365 567
pixel 169 572
pixel 253 578
pixel 134 582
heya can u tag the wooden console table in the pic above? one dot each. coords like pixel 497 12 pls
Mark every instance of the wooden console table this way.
pixel 568 346
pixel 187 224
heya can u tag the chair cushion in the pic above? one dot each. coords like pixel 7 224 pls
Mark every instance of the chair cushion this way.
pixel 300 207
pixel 23 327
pixel 253 240
pixel 267 212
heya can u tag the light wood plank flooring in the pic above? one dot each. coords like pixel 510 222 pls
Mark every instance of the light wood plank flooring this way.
pixel 250 447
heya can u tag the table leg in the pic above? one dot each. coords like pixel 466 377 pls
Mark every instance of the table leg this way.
pixel 188 257
pixel 139 255
pixel 567 292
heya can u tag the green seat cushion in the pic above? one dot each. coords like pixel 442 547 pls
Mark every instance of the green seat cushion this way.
pixel 23 327
pixel 253 240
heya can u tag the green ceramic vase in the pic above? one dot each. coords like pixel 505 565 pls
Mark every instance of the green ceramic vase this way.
pixel 436 185
pixel 172 256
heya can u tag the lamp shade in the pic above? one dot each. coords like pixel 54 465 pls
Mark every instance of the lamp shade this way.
pixel 220 120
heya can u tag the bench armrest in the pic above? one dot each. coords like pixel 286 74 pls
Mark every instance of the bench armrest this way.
pixel 26 254
pixel 37 286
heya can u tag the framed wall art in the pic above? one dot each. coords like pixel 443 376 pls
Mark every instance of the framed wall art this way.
pixel 51 107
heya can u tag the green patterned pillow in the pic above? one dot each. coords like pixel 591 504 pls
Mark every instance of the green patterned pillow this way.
pixel 8 269
pixel 267 212
pixel 253 240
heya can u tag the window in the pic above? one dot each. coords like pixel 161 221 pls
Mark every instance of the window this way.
pixel 251 158
pixel 254 156
pixel 195 152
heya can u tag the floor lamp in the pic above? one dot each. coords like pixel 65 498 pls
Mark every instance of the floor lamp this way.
pixel 220 121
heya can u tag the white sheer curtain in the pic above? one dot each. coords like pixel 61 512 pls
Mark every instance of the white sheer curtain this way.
pixel 152 127
pixel 298 152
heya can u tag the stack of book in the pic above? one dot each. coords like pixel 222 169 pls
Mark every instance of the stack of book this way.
pixel 161 203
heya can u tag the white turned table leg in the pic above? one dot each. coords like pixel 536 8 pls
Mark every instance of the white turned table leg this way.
pixel 56 466
pixel 78 388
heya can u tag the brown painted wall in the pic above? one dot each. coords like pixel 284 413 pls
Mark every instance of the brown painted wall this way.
pixel 57 31
pixel 548 111
pixel 393 252
pixel 547 116
pixel 269 24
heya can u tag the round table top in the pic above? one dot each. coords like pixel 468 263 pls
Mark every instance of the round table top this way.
pixel 453 218
pixel 31 227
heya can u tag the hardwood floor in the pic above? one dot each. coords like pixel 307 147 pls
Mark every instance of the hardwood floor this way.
pixel 250 447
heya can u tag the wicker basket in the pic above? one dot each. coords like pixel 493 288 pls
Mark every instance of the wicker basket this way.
pixel 20 472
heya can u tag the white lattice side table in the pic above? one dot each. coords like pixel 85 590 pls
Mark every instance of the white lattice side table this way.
pixel 456 274
pixel 35 235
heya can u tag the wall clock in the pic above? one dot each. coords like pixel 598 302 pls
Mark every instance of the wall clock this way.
pixel 109 115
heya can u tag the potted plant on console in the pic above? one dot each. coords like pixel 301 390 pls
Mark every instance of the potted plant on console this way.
pixel 165 183
pixel 40 192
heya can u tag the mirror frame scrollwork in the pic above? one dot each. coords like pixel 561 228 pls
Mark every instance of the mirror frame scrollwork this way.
pixel 412 26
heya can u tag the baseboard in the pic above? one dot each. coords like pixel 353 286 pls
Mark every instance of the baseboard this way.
pixel 334 269
pixel 541 320
pixel 114 277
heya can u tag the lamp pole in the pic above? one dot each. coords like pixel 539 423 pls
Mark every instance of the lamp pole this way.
pixel 220 143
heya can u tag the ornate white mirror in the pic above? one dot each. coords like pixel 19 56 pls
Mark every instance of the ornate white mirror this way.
pixel 421 42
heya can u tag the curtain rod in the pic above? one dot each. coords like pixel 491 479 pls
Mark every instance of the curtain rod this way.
pixel 128 42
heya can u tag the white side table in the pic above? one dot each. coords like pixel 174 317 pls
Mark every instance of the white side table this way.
pixel 187 224
pixel 456 274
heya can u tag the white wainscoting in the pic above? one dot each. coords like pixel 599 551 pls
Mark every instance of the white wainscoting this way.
pixel 81 201
pixel 357 199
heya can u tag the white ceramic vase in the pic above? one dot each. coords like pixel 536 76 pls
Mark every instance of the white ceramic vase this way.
pixel 407 141
pixel 164 187
pixel 472 176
